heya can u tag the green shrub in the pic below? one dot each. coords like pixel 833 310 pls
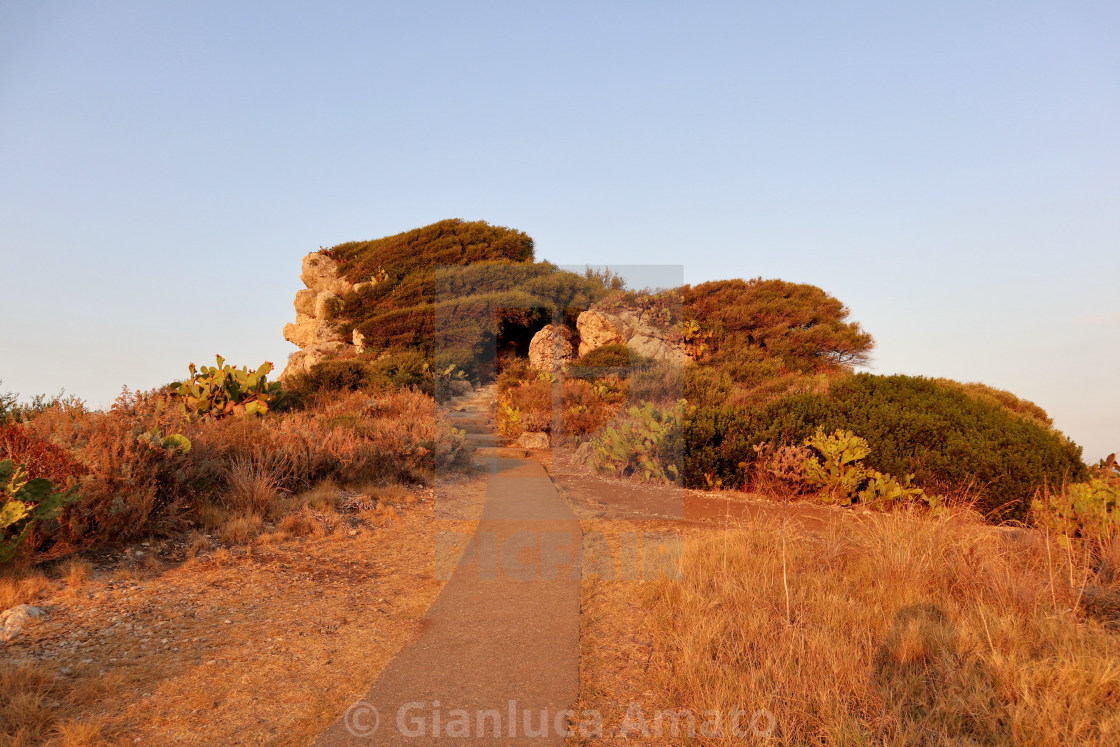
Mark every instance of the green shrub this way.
pixel 615 355
pixel 402 369
pixel 950 442
pixel 332 375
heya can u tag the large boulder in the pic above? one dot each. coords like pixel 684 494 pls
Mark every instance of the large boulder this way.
pixel 629 326
pixel 321 273
pixel 551 349
pixel 595 331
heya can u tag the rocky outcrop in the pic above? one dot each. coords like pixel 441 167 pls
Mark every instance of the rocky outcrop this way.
pixel 551 349
pixel 313 331
pixel 321 273
pixel 598 328
pixel 301 361
pixel 595 331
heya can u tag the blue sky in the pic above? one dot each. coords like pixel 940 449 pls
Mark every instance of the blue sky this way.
pixel 949 170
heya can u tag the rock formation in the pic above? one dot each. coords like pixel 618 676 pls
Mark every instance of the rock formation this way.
pixel 595 331
pixel 629 326
pixel 551 349
pixel 313 332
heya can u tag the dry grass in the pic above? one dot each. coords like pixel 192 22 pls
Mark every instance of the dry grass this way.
pixel 76 572
pixel 265 643
pixel 892 631
pixel 18 586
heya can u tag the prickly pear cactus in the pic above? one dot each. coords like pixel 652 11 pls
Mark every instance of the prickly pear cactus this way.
pixel 24 504
pixel 217 391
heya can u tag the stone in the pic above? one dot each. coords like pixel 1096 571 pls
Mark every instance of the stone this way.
pixel 359 341
pixel 595 331
pixel 459 387
pixel 307 332
pixel 551 349
pixel 305 302
pixel 13 620
pixel 641 336
pixel 534 440
pixel 321 273
pixel 325 303
pixel 363 287
pixel 301 361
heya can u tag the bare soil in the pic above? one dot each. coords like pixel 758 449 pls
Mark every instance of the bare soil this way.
pixel 252 644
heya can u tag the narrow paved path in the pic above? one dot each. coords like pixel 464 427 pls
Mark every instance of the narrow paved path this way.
pixel 497 661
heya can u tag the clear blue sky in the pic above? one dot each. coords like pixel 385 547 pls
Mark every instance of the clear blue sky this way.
pixel 950 170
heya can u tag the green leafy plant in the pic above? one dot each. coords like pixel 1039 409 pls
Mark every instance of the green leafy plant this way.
pixel 26 503
pixel 836 469
pixel 645 444
pixel 217 391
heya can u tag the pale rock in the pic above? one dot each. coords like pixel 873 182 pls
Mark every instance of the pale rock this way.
pixel 13 620
pixel 534 440
pixel 364 286
pixel 307 332
pixel 359 341
pixel 595 331
pixel 301 361
pixel 305 302
pixel 551 349
pixel 325 303
pixel 320 273
pixel 641 336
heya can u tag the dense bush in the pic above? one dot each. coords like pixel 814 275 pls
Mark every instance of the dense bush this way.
pixel 448 242
pixel 38 456
pixel 950 441
pixel 763 328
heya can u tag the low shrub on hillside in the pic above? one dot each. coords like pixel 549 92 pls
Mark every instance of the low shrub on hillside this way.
pixel 391 370
pixel 136 475
pixel 615 355
pixel 951 442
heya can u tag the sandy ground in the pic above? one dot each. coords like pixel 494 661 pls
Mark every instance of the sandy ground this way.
pixel 257 644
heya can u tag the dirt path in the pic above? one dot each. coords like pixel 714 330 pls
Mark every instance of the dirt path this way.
pixel 497 661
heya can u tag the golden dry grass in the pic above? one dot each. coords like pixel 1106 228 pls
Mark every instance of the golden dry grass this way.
pixel 264 643
pixel 893 631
